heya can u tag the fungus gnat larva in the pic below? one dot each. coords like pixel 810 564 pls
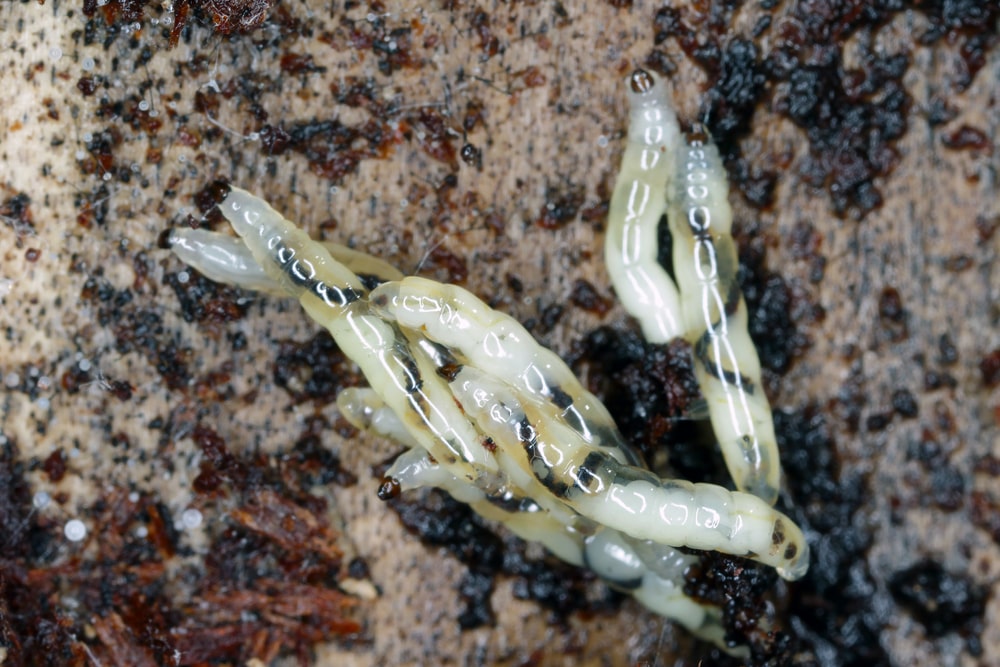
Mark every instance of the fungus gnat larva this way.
pixel 688 182
pixel 500 422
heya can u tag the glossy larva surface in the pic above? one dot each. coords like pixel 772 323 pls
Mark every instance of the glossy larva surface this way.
pixel 688 183
pixel 501 423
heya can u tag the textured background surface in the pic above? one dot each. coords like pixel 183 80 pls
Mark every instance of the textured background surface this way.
pixel 862 149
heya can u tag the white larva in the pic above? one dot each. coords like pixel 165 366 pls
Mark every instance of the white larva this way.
pixel 689 184
pixel 637 204
pixel 715 320
pixel 501 423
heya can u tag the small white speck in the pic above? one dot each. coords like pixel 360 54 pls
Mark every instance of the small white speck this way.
pixel 191 518
pixel 602 141
pixel 107 176
pixel 80 155
pixel 182 158
pixel 43 403
pixel 41 500
pixel 403 203
pixel 83 365
pixel 75 530
pixel 87 137
pixel 44 382
pixel 183 277
pixel 141 531
pixel 133 497
pixel 143 105
pixel 154 113
pixel 55 53
pixel 87 64
pixel 371 17
pixel 12 379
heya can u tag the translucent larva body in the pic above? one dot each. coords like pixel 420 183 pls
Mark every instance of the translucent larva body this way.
pixel 688 183
pixel 715 319
pixel 501 423
pixel 637 204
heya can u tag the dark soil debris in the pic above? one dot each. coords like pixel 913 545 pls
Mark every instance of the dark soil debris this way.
pixel 562 203
pixel 138 329
pixel 984 510
pixel 434 135
pixel 965 138
pixel 851 117
pixel 770 304
pixel 237 608
pixel 904 403
pixel 392 46
pixel 740 589
pixel 947 488
pixel 585 295
pixel 15 211
pixel 989 367
pixel 649 389
pixel 314 370
pixel 206 301
pixel 332 149
pixel 941 601
pixel 892 315
pixel 833 609
pixel 439 520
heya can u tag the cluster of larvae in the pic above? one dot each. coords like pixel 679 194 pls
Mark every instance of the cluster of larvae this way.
pixel 501 423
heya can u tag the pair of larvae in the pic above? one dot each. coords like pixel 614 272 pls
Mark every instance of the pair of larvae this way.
pixel 502 424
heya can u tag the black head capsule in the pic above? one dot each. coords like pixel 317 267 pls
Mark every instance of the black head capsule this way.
pixel 641 81
pixel 389 488
pixel 698 136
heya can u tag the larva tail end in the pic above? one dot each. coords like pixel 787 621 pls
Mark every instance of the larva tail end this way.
pixel 248 213
pixel 798 566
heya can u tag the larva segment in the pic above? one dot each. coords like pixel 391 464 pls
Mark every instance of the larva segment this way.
pixel 498 345
pixel 715 320
pixel 633 567
pixel 227 259
pixel 500 422
pixel 662 173
pixel 366 411
pixel 652 573
pixel 596 485
pixel 335 298
pixel 303 267
pixel 224 259
pixel 414 469
pixel 637 204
